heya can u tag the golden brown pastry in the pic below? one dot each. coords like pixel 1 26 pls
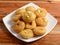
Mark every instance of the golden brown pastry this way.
pixel 39 31
pixel 21 11
pixel 31 26
pixel 30 22
pixel 18 26
pixel 29 16
pixel 30 8
pixel 27 33
pixel 41 21
pixel 15 18
pixel 41 12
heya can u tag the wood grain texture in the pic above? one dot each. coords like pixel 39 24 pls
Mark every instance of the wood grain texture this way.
pixel 53 38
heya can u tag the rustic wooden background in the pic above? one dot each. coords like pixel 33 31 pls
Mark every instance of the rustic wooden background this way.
pixel 6 38
pixel 29 0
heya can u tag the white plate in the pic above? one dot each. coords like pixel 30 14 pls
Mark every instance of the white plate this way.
pixel 8 23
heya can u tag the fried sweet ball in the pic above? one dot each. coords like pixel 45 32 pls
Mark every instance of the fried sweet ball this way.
pixel 28 16
pixel 15 18
pixel 41 12
pixel 18 26
pixel 27 33
pixel 41 21
pixel 21 11
pixel 30 8
pixel 39 31
pixel 31 26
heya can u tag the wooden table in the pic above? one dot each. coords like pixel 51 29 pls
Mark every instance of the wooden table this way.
pixel 6 38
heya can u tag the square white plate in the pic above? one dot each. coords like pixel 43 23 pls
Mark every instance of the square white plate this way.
pixel 8 23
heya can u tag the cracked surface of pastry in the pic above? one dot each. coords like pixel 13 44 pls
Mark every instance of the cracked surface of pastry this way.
pixel 15 18
pixel 28 16
pixel 39 30
pixel 27 33
pixel 18 26
pixel 40 12
pixel 31 26
pixel 41 21
pixel 30 8
pixel 21 11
